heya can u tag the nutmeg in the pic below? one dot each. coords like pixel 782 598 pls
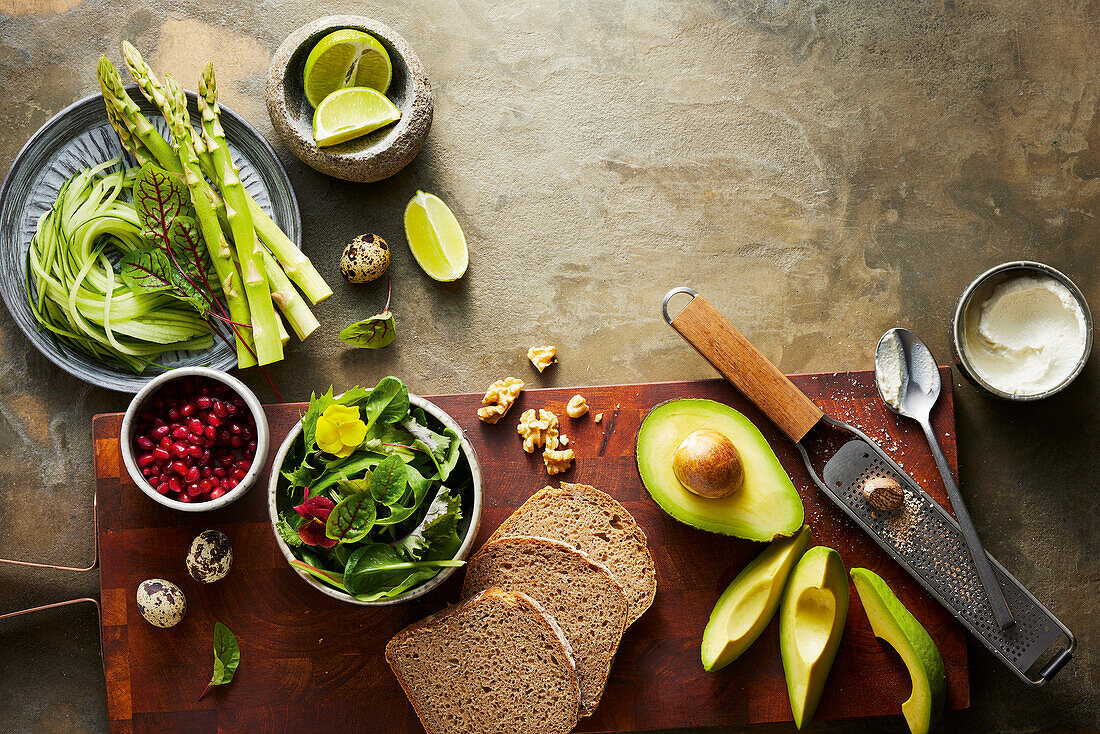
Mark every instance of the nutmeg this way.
pixel 883 493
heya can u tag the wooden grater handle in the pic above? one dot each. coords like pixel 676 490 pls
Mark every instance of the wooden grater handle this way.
pixel 714 337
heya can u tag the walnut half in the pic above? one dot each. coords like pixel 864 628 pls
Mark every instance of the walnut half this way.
pixel 542 357
pixel 576 407
pixel 540 431
pixel 558 462
pixel 499 398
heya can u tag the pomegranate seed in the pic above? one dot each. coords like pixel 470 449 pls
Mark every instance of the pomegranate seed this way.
pixel 220 409
pixel 144 443
pixel 237 474
pixel 180 432
pixel 165 443
pixel 145 460
pixel 160 453
pixel 194 451
pixel 179 468
pixel 179 450
pixel 160 431
pixel 236 442
pixel 205 458
pixel 210 432
pixel 252 446
pixel 216 492
pixel 206 472
pixel 147 472
pixel 220 473
pixel 193 490
pixel 183 498
pixel 187 409
pixel 174 484
pixel 225 458
pixel 192 475
pixel 213 420
pixel 243 464
pixel 231 409
pixel 173 414
pixel 230 483
pixel 234 427
pixel 163 488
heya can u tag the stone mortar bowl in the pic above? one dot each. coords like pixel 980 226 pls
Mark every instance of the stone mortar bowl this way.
pixel 376 155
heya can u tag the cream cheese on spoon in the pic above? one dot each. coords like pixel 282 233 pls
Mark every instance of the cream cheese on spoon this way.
pixel 1028 337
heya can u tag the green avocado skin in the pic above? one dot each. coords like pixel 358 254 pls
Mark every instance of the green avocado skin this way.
pixel 811 622
pixel 766 574
pixel 895 624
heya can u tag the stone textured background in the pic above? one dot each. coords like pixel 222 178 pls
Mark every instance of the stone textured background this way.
pixel 821 171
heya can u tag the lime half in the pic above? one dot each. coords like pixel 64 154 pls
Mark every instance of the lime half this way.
pixel 435 238
pixel 343 59
pixel 348 113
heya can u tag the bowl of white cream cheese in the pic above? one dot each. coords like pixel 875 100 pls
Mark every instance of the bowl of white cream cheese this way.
pixel 1022 331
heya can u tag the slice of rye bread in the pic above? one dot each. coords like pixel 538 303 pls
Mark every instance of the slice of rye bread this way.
pixel 496 663
pixel 596 524
pixel 582 595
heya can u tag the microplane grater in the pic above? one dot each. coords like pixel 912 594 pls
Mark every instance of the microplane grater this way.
pixel 927 542
pixel 922 537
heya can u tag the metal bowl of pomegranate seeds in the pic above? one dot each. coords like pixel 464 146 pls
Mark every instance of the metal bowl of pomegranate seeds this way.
pixel 194 439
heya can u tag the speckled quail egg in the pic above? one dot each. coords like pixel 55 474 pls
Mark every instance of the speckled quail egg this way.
pixel 365 259
pixel 210 557
pixel 161 602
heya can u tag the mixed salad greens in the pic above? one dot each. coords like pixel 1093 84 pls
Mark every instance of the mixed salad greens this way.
pixel 373 495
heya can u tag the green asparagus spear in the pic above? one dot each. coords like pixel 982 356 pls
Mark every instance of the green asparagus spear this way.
pixel 265 329
pixel 179 123
pixel 297 266
pixel 125 114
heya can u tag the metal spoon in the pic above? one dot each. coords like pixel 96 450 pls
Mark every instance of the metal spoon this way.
pixel 909 383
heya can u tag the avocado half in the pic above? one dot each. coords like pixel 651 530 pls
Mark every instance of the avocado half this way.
pixel 765 507
pixel 749 602
pixel 811 622
pixel 895 624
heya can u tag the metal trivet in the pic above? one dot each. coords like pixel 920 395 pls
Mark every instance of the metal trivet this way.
pixel 929 544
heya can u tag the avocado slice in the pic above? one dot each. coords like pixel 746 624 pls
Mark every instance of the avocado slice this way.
pixel 748 604
pixel 811 621
pixel 764 507
pixel 895 624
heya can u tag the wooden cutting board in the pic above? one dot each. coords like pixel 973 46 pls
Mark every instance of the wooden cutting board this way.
pixel 310 663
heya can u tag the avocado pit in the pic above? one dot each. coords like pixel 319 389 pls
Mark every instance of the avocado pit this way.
pixel 708 464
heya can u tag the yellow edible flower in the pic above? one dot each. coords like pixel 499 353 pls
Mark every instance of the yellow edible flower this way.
pixel 339 430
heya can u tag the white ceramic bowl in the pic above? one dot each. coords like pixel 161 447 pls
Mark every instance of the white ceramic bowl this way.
pixel 467 539
pixel 263 439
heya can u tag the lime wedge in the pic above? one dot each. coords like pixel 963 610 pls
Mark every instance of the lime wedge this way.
pixel 349 113
pixel 435 238
pixel 346 58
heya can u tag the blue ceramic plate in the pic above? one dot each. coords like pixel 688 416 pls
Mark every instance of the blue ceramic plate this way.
pixel 76 138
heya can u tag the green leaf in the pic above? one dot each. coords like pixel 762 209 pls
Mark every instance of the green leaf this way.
pixel 159 197
pixel 379 568
pixel 436 537
pixel 150 270
pixel 352 518
pixel 227 656
pixel 354 465
pixel 411 501
pixel 453 454
pixel 374 333
pixel 330 577
pixel 188 253
pixel 348 487
pixel 388 402
pixel 388 481
pixel 287 531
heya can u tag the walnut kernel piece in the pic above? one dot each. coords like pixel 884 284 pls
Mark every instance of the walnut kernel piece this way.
pixel 542 357
pixel 558 462
pixel 537 432
pixel 563 440
pixel 598 418
pixel 576 407
pixel 499 398
pixel 883 493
